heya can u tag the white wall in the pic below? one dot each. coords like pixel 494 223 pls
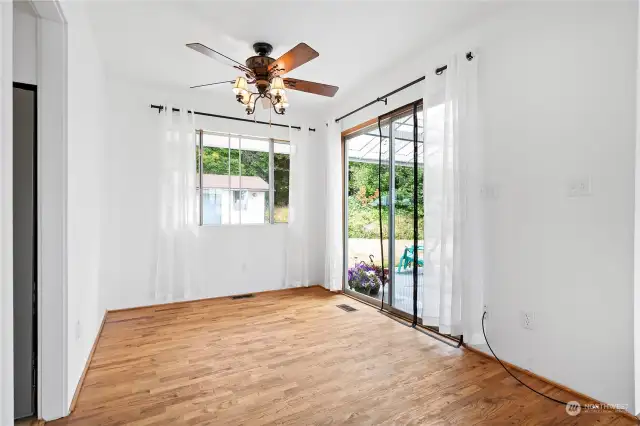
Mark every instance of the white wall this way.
pixel 230 259
pixel 24 35
pixel 557 81
pixel 6 212
pixel 86 99
pixel 636 253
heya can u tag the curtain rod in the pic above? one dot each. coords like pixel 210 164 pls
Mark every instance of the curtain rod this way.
pixel 206 114
pixel 384 97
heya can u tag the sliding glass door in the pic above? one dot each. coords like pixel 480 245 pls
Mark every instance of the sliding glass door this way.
pixel 406 254
pixel 364 153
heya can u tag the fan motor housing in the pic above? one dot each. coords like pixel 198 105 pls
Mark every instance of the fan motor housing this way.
pixel 259 63
pixel 260 66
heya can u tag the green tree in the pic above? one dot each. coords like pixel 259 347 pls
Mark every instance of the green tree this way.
pixel 363 184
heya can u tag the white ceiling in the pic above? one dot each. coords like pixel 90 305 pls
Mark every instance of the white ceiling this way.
pixel 145 40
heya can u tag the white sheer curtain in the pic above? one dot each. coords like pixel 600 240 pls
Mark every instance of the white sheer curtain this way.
pixel 453 210
pixel 177 209
pixel 297 272
pixel 334 256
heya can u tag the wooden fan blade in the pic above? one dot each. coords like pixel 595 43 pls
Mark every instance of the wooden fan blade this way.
pixel 211 84
pixel 266 103
pixel 223 59
pixel 299 55
pixel 310 87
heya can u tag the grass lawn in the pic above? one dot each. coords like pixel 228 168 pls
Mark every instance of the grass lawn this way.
pixel 281 214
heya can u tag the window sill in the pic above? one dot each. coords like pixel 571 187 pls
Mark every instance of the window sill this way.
pixel 238 225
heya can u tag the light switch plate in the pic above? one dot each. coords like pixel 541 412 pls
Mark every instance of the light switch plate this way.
pixel 580 187
pixel 490 192
pixel 527 319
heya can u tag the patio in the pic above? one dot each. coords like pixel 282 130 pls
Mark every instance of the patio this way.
pixel 403 290
pixel 402 282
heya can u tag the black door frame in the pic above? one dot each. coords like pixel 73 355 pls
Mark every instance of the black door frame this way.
pixel 34 291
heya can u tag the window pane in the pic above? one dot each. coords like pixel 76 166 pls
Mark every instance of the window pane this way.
pixel 215 180
pixel 212 199
pixel 367 194
pixel 233 182
pixel 281 182
pixel 198 154
pixel 254 197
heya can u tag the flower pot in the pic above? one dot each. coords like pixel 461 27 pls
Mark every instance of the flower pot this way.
pixel 362 290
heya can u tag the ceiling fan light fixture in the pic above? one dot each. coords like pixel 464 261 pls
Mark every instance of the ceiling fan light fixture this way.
pixel 277 87
pixel 240 87
pixel 283 104
pixel 250 101
pixel 265 73
pixel 245 98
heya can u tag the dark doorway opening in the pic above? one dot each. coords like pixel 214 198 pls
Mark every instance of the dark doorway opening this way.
pixel 25 243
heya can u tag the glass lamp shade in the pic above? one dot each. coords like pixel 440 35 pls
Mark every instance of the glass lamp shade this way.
pixel 250 102
pixel 247 98
pixel 240 86
pixel 284 102
pixel 277 87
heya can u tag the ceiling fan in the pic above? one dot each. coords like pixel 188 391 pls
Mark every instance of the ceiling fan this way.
pixel 266 74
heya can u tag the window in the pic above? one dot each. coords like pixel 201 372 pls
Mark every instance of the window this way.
pixel 281 153
pixel 244 179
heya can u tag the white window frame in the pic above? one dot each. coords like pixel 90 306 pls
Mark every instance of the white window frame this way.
pixel 272 141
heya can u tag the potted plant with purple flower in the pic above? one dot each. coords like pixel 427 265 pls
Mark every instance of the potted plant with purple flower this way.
pixel 366 279
pixel 363 279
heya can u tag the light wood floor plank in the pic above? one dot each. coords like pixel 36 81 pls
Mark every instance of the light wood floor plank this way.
pixel 293 358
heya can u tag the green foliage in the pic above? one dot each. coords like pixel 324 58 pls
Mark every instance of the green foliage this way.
pixel 364 222
pixel 281 179
pixel 363 201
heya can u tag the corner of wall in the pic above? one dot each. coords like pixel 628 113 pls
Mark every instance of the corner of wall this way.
pixel 6 202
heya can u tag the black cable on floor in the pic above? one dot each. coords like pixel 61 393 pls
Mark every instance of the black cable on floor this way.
pixel 484 315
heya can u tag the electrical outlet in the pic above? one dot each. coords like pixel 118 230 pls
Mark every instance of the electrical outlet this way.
pixel 78 330
pixel 486 312
pixel 527 319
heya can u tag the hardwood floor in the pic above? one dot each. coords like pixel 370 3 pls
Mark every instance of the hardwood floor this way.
pixel 31 421
pixel 292 357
